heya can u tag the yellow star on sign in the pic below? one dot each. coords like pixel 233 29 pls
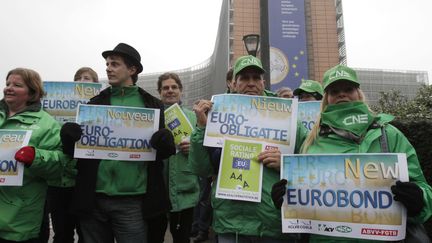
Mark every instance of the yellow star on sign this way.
pixel 323 184
pixel 296 58
pixel 312 176
pixel 296 74
pixel 294 66
pixel 301 52
pixel 300 179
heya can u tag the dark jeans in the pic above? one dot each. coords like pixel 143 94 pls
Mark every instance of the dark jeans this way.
pixel 156 228
pixel 64 223
pixel 181 225
pixel 119 218
pixel 203 211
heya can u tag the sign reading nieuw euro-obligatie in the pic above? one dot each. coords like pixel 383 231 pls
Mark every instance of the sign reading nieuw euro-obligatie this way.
pixel 287 39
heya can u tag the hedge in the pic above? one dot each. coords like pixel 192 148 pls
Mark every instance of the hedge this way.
pixel 419 133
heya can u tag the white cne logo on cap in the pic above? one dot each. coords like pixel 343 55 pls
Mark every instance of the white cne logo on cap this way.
pixel 249 61
pixel 340 74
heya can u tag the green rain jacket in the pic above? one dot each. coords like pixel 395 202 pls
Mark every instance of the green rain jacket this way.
pixel 241 217
pixel 183 185
pixel 397 143
pixel 21 208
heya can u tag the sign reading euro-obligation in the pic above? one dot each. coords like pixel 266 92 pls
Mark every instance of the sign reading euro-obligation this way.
pixel 269 120
pixel 116 132
pixel 344 195
pixel 308 112
pixel 177 122
pixel 62 98
pixel 240 172
pixel 11 171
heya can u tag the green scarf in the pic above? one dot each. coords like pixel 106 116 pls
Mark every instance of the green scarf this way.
pixel 353 117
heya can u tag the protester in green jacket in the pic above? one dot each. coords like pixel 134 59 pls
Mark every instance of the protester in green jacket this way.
pixel 60 192
pixel 183 186
pixel 332 134
pixel 239 220
pixel 309 90
pixel 115 199
pixel 21 207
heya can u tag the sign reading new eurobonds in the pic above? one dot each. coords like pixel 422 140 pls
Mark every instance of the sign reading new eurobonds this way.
pixel 287 39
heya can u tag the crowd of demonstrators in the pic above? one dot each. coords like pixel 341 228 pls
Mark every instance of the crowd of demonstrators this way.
pixel 22 207
pixel 309 90
pixel 132 201
pixel 233 221
pixel 285 92
pixel 183 186
pixel 342 98
pixel 60 192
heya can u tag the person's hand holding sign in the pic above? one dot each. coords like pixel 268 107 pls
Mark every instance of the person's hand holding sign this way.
pixel 201 108
pixel 271 158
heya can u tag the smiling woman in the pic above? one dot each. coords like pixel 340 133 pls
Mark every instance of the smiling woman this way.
pixel 22 206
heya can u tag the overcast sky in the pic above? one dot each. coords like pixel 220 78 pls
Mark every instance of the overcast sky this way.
pixel 56 37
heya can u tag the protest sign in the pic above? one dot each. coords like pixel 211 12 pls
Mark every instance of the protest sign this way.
pixel 345 195
pixel 62 98
pixel 11 171
pixel 240 172
pixel 116 132
pixel 177 122
pixel 308 112
pixel 270 120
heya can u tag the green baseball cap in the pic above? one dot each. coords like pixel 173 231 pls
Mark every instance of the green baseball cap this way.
pixel 309 86
pixel 339 72
pixel 247 61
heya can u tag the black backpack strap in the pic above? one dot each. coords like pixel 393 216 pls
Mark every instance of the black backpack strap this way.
pixel 383 140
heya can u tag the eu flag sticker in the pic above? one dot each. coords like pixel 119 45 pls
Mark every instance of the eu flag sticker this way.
pixel 241 163
pixel 175 123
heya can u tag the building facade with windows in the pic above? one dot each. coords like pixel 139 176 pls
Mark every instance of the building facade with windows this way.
pixel 375 81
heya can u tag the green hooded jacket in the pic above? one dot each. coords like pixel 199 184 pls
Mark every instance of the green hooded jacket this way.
pixel 397 143
pixel 241 217
pixel 21 208
pixel 183 185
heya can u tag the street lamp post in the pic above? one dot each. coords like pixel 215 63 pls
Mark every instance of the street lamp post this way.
pixel 252 43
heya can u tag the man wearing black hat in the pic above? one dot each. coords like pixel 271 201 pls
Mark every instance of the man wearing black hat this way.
pixel 114 198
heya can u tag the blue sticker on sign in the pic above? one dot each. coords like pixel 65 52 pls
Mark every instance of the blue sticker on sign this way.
pixel 174 124
pixel 240 163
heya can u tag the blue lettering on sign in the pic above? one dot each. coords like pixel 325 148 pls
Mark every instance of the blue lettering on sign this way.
pixel 174 124
pixel 240 163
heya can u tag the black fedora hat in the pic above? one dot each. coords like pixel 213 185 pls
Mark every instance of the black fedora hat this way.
pixel 128 51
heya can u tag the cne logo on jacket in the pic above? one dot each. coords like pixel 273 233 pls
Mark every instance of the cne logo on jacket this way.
pixel 355 119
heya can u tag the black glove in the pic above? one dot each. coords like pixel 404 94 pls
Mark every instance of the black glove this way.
pixel 277 193
pixel 410 195
pixel 70 133
pixel 163 142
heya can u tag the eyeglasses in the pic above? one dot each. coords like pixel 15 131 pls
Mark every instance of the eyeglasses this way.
pixel 173 87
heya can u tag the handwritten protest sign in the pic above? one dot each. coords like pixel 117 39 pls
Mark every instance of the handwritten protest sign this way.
pixel 240 172
pixel 116 132
pixel 345 195
pixel 308 113
pixel 177 122
pixel 11 171
pixel 62 98
pixel 270 120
